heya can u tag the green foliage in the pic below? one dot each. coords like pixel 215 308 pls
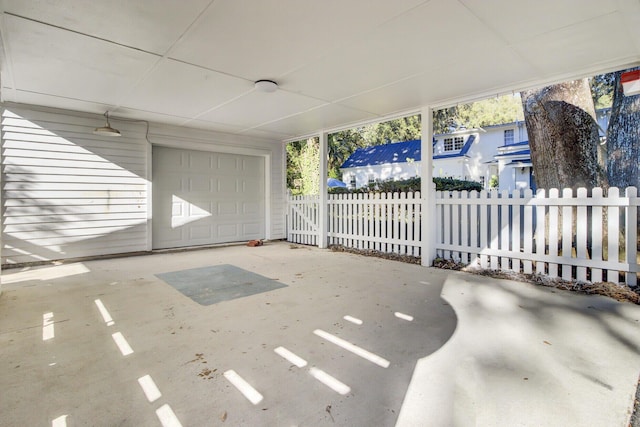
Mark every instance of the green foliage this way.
pixel 491 111
pixel 303 167
pixel 294 174
pixel 493 181
pixel 412 185
pixel 399 186
pixel 398 130
pixel 602 90
pixel 338 190
pixel 342 144
pixel 452 184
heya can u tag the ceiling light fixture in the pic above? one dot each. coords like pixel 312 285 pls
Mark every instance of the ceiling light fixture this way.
pixel 266 86
pixel 107 130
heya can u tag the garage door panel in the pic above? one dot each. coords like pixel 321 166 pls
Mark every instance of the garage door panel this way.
pixel 251 208
pixel 204 198
pixel 227 208
pixel 228 164
pixel 200 162
pixel 251 228
pixel 200 183
pixel 226 186
pixel 227 230
pixel 199 232
pixel 251 167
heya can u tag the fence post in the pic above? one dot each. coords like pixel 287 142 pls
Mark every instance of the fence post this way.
pixel 631 233
pixel 323 216
pixel 427 189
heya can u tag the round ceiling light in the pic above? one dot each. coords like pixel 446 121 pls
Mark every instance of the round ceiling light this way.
pixel 266 86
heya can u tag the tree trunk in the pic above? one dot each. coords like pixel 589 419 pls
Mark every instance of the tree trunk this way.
pixel 563 136
pixel 623 139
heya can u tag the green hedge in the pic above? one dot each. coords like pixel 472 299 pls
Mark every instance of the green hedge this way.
pixel 412 185
pixel 451 184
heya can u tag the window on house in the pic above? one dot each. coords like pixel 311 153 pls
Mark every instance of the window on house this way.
pixel 372 179
pixel 482 181
pixel 453 144
pixel 352 181
pixel 448 144
pixel 508 137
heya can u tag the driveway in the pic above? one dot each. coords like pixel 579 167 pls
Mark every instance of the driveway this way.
pixel 305 337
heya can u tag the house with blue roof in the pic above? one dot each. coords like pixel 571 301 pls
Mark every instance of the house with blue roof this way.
pixel 465 154
pixel 456 155
pixel 497 154
pixel 399 160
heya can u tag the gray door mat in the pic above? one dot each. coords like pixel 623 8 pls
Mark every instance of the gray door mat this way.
pixel 211 285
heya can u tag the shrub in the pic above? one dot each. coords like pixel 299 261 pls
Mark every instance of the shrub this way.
pixel 411 185
pixel 452 184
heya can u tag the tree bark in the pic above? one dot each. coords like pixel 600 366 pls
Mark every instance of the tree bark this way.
pixel 563 136
pixel 623 139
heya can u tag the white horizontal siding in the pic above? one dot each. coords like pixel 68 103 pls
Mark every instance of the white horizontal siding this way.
pixel 69 193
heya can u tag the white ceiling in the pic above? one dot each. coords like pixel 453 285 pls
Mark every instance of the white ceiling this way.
pixel 337 62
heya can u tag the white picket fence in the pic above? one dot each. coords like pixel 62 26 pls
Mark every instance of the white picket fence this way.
pixel 387 222
pixel 303 219
pixel 384 222
pixel 581 236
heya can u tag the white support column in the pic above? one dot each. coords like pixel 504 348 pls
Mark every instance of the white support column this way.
pixel 323 211
pixel 427 192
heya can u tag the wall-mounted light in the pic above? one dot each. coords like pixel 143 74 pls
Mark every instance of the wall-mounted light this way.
pixel 107 130
pixel 266 86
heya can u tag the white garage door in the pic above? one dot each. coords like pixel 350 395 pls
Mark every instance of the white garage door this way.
pixel 202 198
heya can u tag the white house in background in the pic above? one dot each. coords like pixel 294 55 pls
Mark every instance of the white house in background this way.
pixel 500 152
pixel 400 160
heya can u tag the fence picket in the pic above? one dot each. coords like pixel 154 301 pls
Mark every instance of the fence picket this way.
pixel 613 230
pixel 631 231
pixel 439 212
pixel 417 249
pixel 567 233
pixel 540 232
pixel 504 229
pixel 446 229
pixel 493 194
pixel 378 217
pixel 455 225
pixel 596 234
pixel 464 227
pixel 484 228
pixel 527 266
pixel 473 228
pixel 408 223
pixel 581 235
pixel 553 232
pixel 402 249
pixel 515 232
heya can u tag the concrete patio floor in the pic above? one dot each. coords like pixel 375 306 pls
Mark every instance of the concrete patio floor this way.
pixel 378 343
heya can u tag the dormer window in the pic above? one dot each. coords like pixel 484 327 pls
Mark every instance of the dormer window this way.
pixel 453 144
pixel 508 137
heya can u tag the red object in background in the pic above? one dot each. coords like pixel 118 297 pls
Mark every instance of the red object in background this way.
pixel 630 82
